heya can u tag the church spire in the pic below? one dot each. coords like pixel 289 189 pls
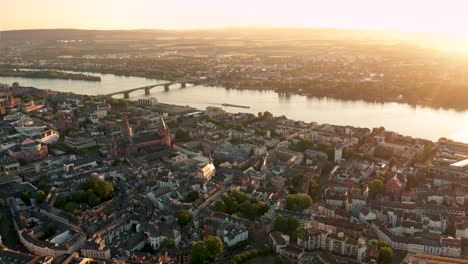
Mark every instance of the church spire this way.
pixel 163 123
pixel 126 130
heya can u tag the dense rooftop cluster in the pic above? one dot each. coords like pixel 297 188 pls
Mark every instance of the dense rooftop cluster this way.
pixel 105 180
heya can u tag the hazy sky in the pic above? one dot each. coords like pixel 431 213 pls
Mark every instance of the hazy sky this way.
pixel 418 15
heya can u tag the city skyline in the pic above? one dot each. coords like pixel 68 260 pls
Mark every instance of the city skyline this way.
pixel 420 16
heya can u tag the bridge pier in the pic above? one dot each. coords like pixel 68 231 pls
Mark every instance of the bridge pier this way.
pixel 147 91
pixel 126 95
pixel 166 87
pixel 183 84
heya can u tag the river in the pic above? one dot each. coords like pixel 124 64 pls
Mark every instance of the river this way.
pixel 422 122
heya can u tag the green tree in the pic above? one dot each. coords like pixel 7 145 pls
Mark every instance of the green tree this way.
pixel 220 206
pixel 298 202
pixel 260 208
pixel 168 243
pixel 239 196
pixel 383 152
pixel 385 251
pixel 385 255
pixel 376 187
pixel 247 210
pixel 287 225
pixel 80 196
pixel 348 153
pixel 42 186
pixel 70 207
pixel 279 260
pixel 59 201
pixel 199 252
pixel 266 250
pixel 182 135
pixel 25 198
pixel 297 180
pixel 184 217
pixel 315 187
pixel 214 246
pixel 191 197
pixel 49 230
pixel 232 206
pixel 267 115
pixel 40 196
pixel 93 199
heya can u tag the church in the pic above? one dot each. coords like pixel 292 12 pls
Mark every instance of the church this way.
pixel 129 143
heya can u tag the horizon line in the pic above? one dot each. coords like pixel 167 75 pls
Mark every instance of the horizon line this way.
pixel 242 27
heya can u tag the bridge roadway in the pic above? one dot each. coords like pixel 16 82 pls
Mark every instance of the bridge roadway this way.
pixel 147 88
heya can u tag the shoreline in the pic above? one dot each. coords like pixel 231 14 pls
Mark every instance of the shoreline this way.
pixel 38 90
pixel 227 85
pixel 53 74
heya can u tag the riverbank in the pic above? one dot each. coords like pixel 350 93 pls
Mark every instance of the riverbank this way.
pixel 48 74
pixel 371 92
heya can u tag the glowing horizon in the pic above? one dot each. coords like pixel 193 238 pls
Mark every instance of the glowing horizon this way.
pixel 417 15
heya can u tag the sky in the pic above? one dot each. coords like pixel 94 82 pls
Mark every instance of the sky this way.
pixel 448 16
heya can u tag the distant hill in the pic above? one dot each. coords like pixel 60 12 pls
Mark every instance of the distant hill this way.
pixel 246 33
pixel 78 34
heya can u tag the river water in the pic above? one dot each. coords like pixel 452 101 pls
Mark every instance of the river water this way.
pixel 423 122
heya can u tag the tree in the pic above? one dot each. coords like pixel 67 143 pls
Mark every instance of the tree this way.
pixel 286 225
pixel 220 206
pixel 247 210
pixel 70 207
pixel 299 231
pixel 42 186
pixel 1 217
pixel 279 260
pixel 348 153
pixel 49 230
pixel 232 206
pixel 266 250
pixel 59 201
pixel 239 196
pixel 80 196
pixel 297 180
pixel 260 208
pixel 93 199
pixel 385 255
pixel 168 243
pixel 298 202
pixel 184 217
pixel 26 199
pixel 377 130
pixel 214 245
pixel 191 197
pixel 199 252
pixel 315 187
pixel 94 191
pixel 383 152
pixel 182 135
pixel 385 251
pixel 267 115
pixel 376 186
pixel 40 196
pixel 206 250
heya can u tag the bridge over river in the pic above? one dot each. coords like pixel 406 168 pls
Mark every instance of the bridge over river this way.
pixel 148 88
